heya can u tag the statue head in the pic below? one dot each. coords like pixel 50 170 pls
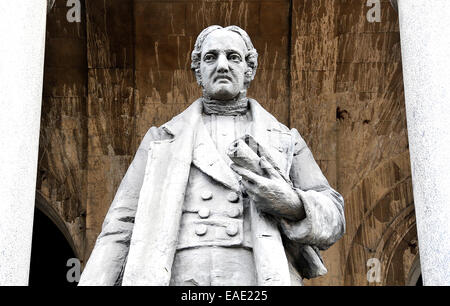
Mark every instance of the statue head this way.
pixel 224 62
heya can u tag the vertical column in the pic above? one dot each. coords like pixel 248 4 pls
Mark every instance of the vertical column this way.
pixel 22 28
pixel 425 44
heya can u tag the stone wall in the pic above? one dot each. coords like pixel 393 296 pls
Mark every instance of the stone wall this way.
pixel 324 69
pixel 62 164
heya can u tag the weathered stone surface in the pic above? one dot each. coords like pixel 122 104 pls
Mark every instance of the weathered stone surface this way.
pixel 347 100
pixel 64 132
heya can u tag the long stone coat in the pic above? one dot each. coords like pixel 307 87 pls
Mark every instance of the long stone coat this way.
pixel 138 240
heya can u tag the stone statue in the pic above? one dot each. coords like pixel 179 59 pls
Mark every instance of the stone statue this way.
pixel 223 194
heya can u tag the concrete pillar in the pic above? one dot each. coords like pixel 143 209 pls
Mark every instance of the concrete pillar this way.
pixel 425 45
pixel 22 32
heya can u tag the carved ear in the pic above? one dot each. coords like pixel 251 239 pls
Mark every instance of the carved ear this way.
pixel 249 75
pixel 198 76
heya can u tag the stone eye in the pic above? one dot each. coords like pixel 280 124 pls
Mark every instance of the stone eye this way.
pixel 209 57
pixel 234 57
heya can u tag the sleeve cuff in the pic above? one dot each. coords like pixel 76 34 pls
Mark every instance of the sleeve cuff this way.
pixel 322 225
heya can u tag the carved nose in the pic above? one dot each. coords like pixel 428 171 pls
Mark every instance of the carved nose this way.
pixel 222 64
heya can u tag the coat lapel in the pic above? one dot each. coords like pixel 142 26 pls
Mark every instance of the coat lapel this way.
pixel 208 159
pixel 157 221
pixel 271 263
pixel 155 233
pixel 266 131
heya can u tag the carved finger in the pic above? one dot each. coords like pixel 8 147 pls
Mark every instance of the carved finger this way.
pixel 246 174
pixel 249 187
pixel 265 165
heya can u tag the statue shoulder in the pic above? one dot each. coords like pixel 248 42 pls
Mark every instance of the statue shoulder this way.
pixel 283 128
pixel 299 142
pixel 153 134
pixel 177 124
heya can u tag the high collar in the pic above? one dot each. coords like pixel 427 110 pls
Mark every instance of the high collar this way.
pixel 262 119
pixel 225 108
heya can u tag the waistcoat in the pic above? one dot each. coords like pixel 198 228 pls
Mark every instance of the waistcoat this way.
pixel 213 215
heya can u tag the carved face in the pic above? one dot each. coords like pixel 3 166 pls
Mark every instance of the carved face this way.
pixel 223 65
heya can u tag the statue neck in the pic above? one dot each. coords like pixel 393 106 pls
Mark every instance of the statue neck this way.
pixel 236 106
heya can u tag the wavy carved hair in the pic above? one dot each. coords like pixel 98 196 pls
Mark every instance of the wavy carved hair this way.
pixel 251 57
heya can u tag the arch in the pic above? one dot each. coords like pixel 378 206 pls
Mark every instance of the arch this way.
pixel 384 225
pixel 52 247
pixel 50 212
pixel 398 249
pixel 415 273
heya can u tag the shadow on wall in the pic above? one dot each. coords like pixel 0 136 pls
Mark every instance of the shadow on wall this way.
pixel 49 254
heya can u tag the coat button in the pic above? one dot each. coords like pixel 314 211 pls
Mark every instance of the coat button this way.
pixel 233 213
pixel 232 230
pixel 233 197
pixel 201 229
pixel 203 212
pixel 207 195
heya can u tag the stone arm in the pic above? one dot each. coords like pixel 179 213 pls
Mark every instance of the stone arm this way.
pixel 324 223
pixel 108 258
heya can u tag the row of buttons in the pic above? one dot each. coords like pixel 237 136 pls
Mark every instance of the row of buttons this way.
pixel 232 197
pixel 231 229
pixel 205 212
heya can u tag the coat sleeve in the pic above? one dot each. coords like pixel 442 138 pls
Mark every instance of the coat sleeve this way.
pixel 109 255
pixel 324 223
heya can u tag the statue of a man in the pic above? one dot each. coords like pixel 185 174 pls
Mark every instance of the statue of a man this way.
pixel 223 194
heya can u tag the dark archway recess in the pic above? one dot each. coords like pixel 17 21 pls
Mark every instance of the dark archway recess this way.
pixel 419 281
pixel 49 254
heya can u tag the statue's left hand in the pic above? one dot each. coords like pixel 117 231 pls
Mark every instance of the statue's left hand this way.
pixel 271 193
